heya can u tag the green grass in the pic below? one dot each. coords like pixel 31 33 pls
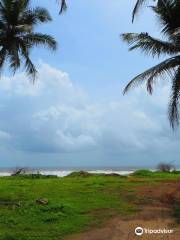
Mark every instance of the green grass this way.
pixel 73 203
pixel 158 174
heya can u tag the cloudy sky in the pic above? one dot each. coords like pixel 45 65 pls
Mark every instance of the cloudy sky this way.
pixel 75 114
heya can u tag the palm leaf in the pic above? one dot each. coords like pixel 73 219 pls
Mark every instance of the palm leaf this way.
pixel 35 16
pixel 167 12
pixel 14 59
pixel 3 54
pixel 173 109
pixel 150 45
pixel 63 5
pixel 40 39
pixel 139 4
pixel 29 66
pixel 164 69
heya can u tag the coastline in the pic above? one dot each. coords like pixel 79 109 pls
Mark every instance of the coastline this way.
pixel 64 173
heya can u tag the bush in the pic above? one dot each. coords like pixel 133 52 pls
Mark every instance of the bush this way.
pixel 79 174
pixel 35 176
pixel 165 167
pixel 176 172
pixel 19 171
pixel 143 173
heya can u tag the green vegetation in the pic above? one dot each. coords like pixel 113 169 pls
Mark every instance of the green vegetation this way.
pixel 157 174
pixel 74 202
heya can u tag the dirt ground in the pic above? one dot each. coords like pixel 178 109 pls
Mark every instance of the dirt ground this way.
pixel 155 213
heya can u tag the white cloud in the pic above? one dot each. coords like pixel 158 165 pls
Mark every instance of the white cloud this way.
pixel 54 115
pixel 111 124
pixel 49 81
pixel 70 142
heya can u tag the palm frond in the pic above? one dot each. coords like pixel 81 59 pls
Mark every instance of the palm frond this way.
pixel 150 45
pixel 29 66
pixel 14 59
pixel 63 6
pixel 173 108
pixel 164 69
pixel 139 4
pixel 40 39
pixel 167 12
pixel 3 54
pixel 34 16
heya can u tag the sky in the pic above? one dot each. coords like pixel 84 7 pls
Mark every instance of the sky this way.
pixel 75 114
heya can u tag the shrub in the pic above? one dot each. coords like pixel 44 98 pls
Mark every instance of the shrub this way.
pixel 143 173
pixel 165 167
pixel 19 171
pixel 35 176
pixel 79 174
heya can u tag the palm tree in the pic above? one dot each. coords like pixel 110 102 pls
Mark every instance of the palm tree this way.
pixel 17 36
pixel 167 12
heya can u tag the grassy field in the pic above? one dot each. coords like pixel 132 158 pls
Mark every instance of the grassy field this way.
pixel 75 203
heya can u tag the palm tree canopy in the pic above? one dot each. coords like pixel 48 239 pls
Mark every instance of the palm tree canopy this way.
pixel 17 36
pixel 167 12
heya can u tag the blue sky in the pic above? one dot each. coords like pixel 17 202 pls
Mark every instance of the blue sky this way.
pixel 75 115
